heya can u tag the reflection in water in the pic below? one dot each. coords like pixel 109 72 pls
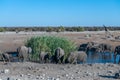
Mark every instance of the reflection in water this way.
pixel 101 57
pixel 92 57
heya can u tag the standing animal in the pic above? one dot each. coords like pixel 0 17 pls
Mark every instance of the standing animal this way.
pixel 44 57
pixel 24 53
pixel 117 52
pixel 6 57
pixel 92 47
pixel 59 55
pixel 105 47
pixel 77 57
pixel 83 47
pixel 89 46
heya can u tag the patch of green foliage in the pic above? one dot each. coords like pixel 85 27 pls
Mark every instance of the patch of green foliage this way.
pixel 60 29
pixel 2 29
pixel 49 29
pixel 49 44
pixel 80 29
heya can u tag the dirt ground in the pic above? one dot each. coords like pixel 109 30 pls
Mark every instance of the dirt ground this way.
pixel 10 41
pixel 35 71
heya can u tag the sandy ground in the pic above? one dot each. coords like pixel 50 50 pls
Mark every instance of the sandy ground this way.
pixel 9 41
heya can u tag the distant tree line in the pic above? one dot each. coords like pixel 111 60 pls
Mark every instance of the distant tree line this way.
pixel 57 29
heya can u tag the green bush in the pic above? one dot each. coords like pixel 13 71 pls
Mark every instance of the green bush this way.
pixel 80 29
pixel 60 29
pixel 2 29
pixel 49 29
pixel 49 44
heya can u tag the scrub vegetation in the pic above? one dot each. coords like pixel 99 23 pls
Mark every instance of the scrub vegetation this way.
pixel 49 44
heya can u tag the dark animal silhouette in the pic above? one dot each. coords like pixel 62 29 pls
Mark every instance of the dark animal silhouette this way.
pixel 59 55
pixel 44 57
pixel 83 47
pixel 6 57
pixel 23 53
pixel 105 47
pixel 77 57
pixel 117 52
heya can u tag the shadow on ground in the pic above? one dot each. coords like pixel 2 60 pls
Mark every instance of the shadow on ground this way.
pixel 105 76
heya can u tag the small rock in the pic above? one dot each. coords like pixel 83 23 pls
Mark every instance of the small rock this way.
pixel 8 78
pixel 30 68
pixel 44 67
pixel 43 78
pixel 99 67
pixel 88 74
pixel 110 71
pixel 110 65
pixel 21 75
pixel 77 72
pixel 57 79
pixel 34 71
pixel 6 71
pixel 37 77
pixel 43 74
pixel 90 64
pixel 66 75
pixel 18 79
pixel 87 35
pixel 68 66
pixel 28 74
pixel 51 78
pixel 71 78
pixel 74 78
pixel 84 76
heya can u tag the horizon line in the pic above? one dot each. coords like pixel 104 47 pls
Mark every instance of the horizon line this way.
pixel 59 26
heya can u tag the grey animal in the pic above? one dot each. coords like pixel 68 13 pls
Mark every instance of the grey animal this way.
pixel 83 47
pixel 6 57
pixel 117 52
pixel 59 55
pixel 44 57
pixel 77 57
pixel 89 46
pixel 24 53
pixel 93 47
pixel 105 47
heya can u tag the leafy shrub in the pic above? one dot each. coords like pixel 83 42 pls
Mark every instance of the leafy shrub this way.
pixel 49 44
pixel 60 29
pixel 80 29
pixel 49 29
pixel 2 29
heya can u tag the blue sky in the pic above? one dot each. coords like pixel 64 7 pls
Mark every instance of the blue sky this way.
pixel 59 12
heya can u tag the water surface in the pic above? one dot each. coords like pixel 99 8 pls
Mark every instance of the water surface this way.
pixel 101 57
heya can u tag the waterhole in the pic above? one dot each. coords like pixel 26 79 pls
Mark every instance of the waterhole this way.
pixel 101 57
